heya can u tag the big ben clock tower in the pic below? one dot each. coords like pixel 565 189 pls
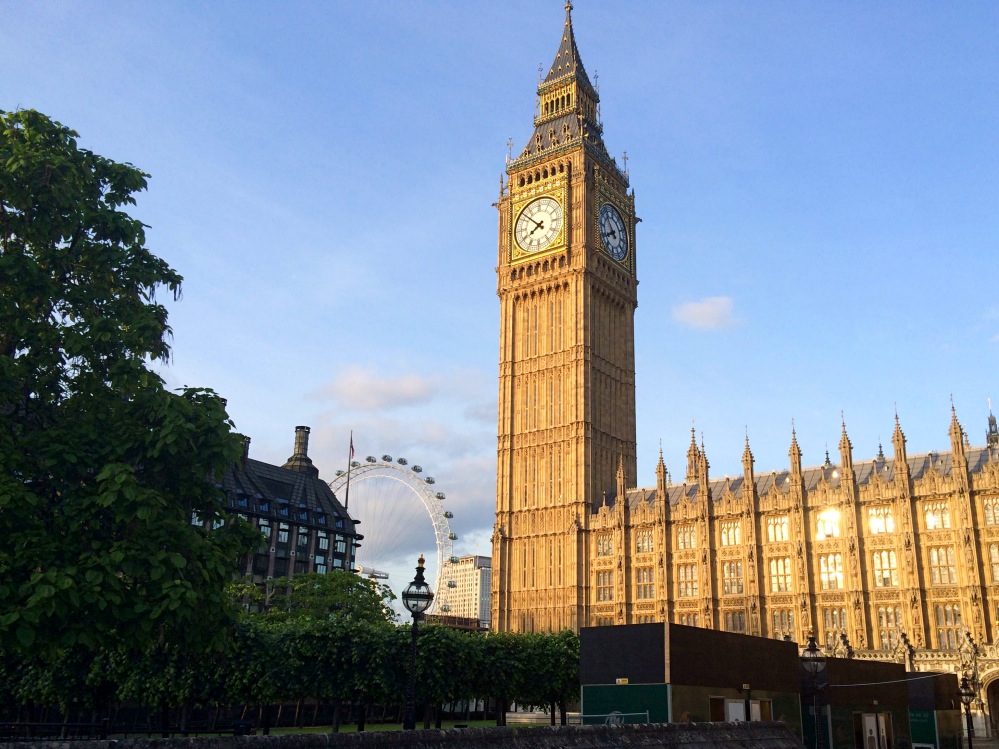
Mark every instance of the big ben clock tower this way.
pixel 568 292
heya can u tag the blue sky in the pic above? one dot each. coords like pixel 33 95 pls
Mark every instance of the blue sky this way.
pixel 818 185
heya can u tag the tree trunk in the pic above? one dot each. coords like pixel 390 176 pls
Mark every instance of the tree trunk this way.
pixel 165 721
pixel 426 716
pixel 336 716
pixel 563 716
pixel 362 714
pixel 438 716
pixel 266 719
pixel 551 708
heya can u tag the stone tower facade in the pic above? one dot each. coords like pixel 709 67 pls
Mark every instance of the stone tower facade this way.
pixel 567 289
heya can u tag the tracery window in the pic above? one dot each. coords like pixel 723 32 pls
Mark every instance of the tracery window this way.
pixel 735 621
pixel 731 533
pixel 831 571
pixel 644 583
pixel 994 561
pixel 881 519
pixel 686 537
pixel 828 524
pixel 991 511
pixel 942 571
pixel 605 545
pixel 691 620
pixel 777 528
pixel 889 625
pixel 605 585
pixel 834 621
pixel 937 515
pixel 885 569
pixel 948 617
pixel 732 578
pixel 781 575
pixel 686 581
pixel 783 620
pixel 643 541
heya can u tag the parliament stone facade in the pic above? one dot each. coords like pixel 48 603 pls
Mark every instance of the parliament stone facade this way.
pixel 890 558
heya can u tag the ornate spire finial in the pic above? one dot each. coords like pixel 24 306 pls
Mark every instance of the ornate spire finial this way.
pixel 568 7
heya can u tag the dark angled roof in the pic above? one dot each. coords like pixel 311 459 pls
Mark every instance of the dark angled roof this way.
pixel 567 60
pixel 574 123
pixel 266 489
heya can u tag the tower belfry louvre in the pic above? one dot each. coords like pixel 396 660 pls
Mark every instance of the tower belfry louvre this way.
pixel 568 291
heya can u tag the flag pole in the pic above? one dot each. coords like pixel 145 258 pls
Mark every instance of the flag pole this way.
pixel 350 459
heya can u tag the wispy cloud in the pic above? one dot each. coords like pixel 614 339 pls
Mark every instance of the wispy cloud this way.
pixel 363 390
pixel 710 313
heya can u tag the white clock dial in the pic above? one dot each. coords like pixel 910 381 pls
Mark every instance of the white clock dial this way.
pixel 538 224
pixel 613 232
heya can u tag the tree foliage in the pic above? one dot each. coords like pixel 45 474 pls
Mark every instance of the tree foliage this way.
pixel 337 594
pixel 101 468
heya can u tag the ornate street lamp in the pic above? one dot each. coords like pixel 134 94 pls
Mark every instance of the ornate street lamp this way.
pixel 967 694
pixel 417 598
pixel 813 661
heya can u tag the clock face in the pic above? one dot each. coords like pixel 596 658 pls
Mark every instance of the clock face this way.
pixel 612 232
pixel 538 224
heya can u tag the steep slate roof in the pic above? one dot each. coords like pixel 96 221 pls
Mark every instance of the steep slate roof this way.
pixel 567 60
pixel 260 485
pixel 572 127
pixel 919 466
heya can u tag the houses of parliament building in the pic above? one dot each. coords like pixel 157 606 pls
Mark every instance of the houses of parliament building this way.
pixel 891 558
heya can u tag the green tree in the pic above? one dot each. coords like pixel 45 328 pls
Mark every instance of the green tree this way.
pixel 553 676
pixel 501 670
pixel 101 468
pixel 338 594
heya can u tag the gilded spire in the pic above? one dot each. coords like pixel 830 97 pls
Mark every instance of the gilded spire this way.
pixel 794 453
pixel 693 455
pixel 845 446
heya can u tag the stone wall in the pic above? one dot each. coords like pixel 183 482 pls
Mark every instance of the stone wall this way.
pixel 754 735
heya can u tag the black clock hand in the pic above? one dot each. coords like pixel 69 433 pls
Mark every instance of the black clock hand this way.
pixel 536 227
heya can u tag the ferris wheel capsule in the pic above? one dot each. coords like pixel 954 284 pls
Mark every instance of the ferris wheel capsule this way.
pixel 402 461
pixel 371 459
pixel 417 469
pixel 387 458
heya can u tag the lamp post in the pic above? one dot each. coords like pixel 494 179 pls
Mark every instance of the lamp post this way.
pixel 813 661
pixel 967 695
pixel 417 598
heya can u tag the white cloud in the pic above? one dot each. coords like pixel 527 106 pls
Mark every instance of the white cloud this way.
pixel 363 390
pixel 710 313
